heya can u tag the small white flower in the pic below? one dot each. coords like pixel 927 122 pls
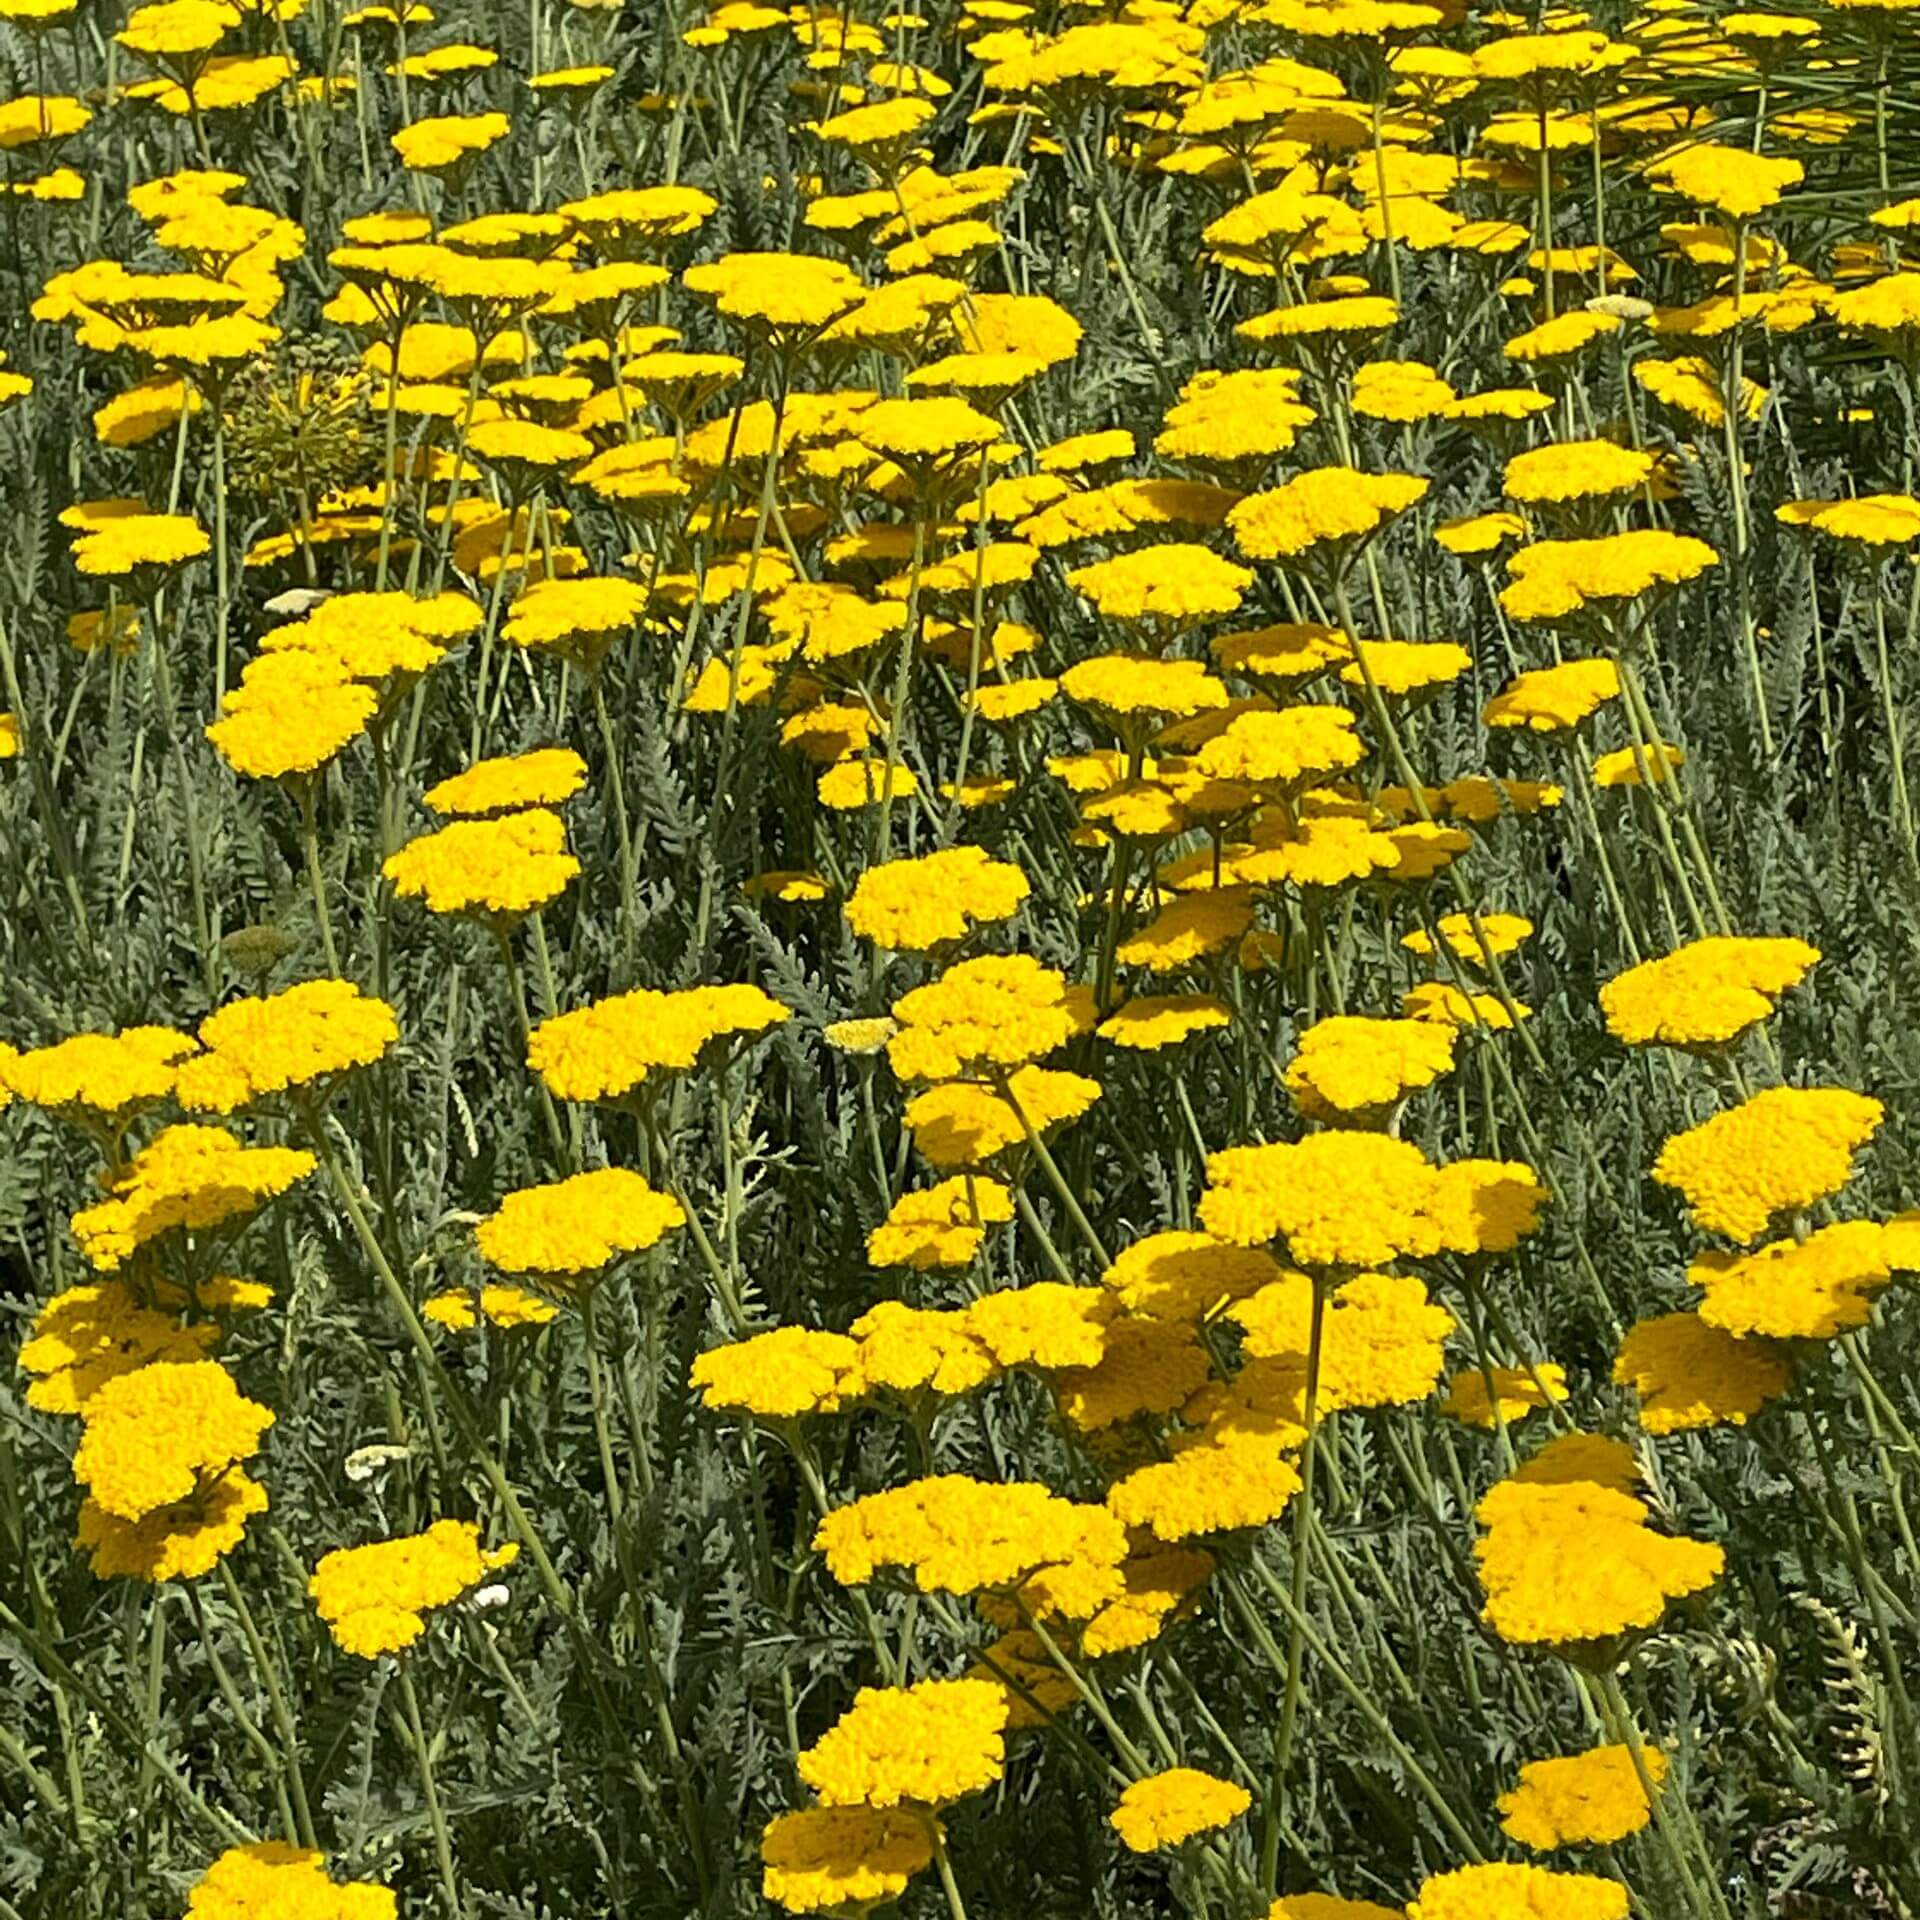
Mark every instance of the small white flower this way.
pixel 364 1462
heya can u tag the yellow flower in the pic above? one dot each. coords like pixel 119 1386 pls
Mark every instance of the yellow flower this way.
pixel 830 1859
pixel 442 142
pixel 1351 1067
pixel 914 1349
pixel 1046 1323
pixel 375 1598
pixel 939 1226
pixel 924 1745
pixel 88 1335
pixel 1336 1199
pixel 543 778
pixel 186 1177
pixel 1178 582
pixel 959 1535
pixel 106 1075
pixel 961 1124
pixel 576 1226
pixel 1554 699
pixel 1157 1021
pixel 1688 1374
pixel 998 1010
pixel 1503 1892
pixel 1705 993
pixel 1567 1559
pixel 1184 1278
pixel 1585 1799
pixel 606 1050
pixel 1555 578
pixel 1732 180
pixel 176 1542
pixel 1777 1152
pixel 1515 1392
pixel 1167 1808
pixel 154 1435
pixel 779 1374
pixel 1381 1339
pixel 1206 1489
pixel 272 1877
pixel 1332 508
pixel 498 868
pixel 1576 470
pixel 1283 749
pixel 302 1037
pixel 917 905
pixel 1809 1289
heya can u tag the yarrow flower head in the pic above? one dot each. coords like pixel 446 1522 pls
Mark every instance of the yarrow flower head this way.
pixel 497 869
pixel 1326 512
pixel 1775 1153
pixel 578 1226
pixel 98 1078
pixel 923 1745
pixel 187 1178
pixel 1000 1010
pixel 375 1599
pixel 1554 699
pixel 919 904
pixel 1167 1808
pixel 1591 1799
pixel 155 1435
pixel 1559 579
pixel 834 1859
pixel 958 1535
pixel 301 1039
pixel 1352 1069
pixel 543 778
pixel 1704 994
pixel 605 1051
pixel 271 1877
pixel 90 1334
pixel 1336 1199
pixel 1568 1559
pixel 1500 1891
pixel 1811 1289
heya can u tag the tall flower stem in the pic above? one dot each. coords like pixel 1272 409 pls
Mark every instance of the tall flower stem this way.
pixel 429 1792
pixel 277 1705
pixel 1283 1736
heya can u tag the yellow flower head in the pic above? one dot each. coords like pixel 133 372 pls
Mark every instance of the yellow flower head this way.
pixel 779 1374
pixel 1590 1799
pixel 576 1226
pixel 273 1877
pixel 1705 993
pixel 375 1598
pixel 186 1177
pixel 1688 1374
pixel 1337 1199
pixel 923 1745
pixel 304 1036
pixel 154 1435
pixel 1775 1153
pixel 998 1010
pixel 1350 1067
pixel 1503 1892
pixel 1325 508
pixel 606 1050
pixel 916 905
pixel 829 1859
pixel 498 868
pixel 1167 1808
